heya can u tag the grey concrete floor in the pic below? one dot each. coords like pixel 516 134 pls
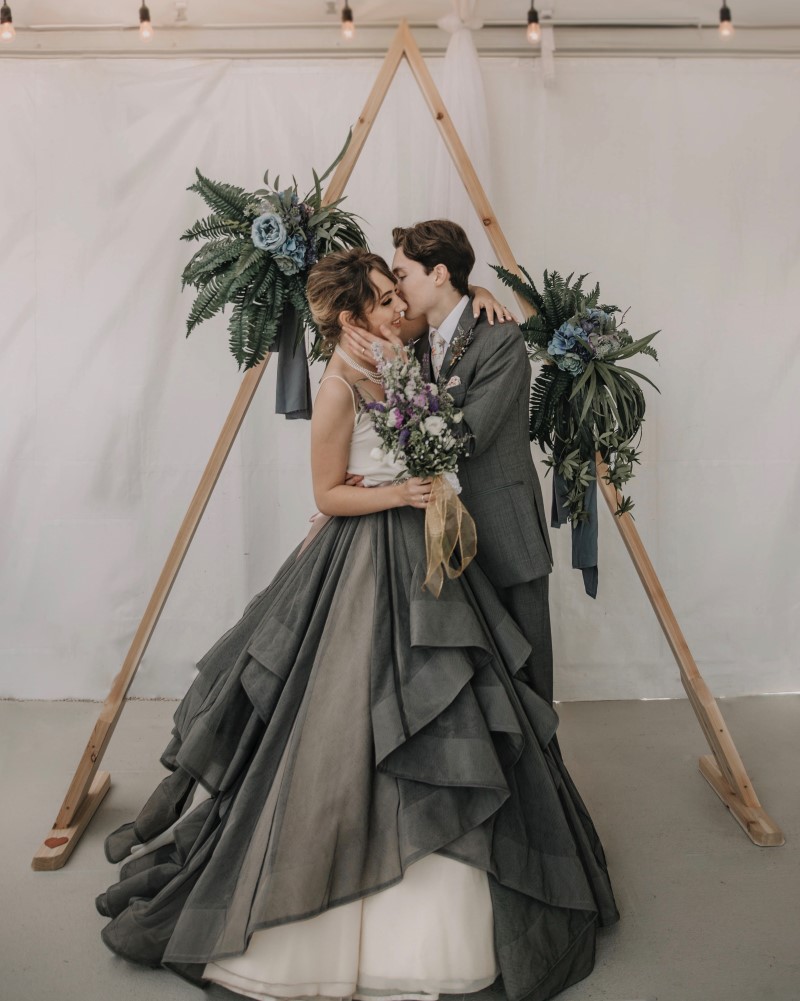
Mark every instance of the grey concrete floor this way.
pixel 705 915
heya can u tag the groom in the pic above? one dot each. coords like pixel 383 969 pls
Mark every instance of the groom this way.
pixel 487 372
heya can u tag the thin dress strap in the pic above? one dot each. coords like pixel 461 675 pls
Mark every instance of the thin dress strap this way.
pixel 341 378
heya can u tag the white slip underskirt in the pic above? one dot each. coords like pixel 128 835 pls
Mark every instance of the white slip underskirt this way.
pixel 429 934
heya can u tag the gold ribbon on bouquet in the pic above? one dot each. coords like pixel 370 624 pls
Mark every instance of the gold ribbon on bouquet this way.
pixel 447 524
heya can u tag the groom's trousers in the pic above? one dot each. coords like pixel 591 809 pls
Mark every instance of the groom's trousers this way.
pixel 529 606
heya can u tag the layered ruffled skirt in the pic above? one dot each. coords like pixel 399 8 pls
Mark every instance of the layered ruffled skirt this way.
pixel 363 799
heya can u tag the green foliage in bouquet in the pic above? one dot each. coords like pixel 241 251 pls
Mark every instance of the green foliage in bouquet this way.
pixel 258 249
pixel 582 401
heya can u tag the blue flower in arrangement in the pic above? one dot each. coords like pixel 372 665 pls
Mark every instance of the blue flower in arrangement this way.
pixel 563 339
pixel 291 255
pixel 571 362
pixel 590 334
pixel 268 232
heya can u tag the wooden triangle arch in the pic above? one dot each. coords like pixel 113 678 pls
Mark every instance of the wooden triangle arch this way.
pixel 723 768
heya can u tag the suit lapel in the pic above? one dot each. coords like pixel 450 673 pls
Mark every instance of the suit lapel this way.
pixel 422 349
pixel 466 324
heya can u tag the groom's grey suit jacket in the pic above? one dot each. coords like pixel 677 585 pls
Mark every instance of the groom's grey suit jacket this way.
pixel 490 382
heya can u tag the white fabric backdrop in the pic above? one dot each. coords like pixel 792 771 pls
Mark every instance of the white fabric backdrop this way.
pixel 673 181
pixel 461 87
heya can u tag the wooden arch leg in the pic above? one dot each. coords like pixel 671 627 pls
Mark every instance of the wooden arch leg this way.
pixel 88 786
pixel 723 768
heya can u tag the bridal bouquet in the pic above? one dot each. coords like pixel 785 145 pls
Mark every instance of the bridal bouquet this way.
pixel 416 425
pixel 258 249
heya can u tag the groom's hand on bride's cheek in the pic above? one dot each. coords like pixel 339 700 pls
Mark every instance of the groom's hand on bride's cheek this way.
pixel 395 340
pixel 357 341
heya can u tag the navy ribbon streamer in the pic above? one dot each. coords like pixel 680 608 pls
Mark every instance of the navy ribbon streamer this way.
pixel 584 533
pixel 293 390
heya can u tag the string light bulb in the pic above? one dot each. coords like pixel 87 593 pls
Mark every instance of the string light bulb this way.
pixel 725 22
pixel 145 26
pixel 534 28
pixel 348 25
pixel 7 31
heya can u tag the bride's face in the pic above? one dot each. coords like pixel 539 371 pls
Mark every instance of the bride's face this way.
pixel 388 307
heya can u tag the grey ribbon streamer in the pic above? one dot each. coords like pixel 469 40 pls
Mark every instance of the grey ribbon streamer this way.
pixel 584 533
pixel 293 391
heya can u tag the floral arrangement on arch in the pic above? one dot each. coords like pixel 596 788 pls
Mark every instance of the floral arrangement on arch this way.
pixel 258 249
pixel 583 400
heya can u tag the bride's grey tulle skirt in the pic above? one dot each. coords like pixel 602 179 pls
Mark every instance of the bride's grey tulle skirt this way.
pixel 408 729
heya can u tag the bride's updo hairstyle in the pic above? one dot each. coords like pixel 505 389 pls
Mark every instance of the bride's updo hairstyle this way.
pixel 340 282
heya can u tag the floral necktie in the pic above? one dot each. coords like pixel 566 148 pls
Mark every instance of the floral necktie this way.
pixel 438 350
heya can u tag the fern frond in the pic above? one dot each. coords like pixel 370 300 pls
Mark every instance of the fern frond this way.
pixel 265 330
pixel 517 285
pixel 239 328
pixel 210 260
pixel 209 301
pixel 548 389
pixel 224 199
pixel 215 227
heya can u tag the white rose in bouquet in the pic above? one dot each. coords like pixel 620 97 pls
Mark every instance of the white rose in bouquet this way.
pixel 434 425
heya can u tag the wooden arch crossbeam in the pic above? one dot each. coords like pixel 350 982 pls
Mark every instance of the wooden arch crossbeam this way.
pixel 723 768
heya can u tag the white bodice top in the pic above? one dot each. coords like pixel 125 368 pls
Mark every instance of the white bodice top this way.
pixel 364 447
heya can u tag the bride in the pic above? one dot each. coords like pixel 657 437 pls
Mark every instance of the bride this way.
pixel 362 801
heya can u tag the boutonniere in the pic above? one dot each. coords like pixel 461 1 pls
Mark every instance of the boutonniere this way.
pixel 459 344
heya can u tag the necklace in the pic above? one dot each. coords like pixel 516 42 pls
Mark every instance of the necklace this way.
pixel 372 376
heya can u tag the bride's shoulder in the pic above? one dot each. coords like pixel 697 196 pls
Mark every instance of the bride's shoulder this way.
pixel 339 391
pixel 335 410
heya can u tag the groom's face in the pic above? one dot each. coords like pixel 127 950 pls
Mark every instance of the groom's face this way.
pixel 414 284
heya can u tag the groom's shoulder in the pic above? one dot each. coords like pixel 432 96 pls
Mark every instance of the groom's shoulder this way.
pixel 499 334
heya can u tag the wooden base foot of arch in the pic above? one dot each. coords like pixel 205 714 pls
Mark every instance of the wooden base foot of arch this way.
pixel 57 847
pixel 754 820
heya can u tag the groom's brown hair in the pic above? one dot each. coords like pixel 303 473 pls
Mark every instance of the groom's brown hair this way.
pixel 438 241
